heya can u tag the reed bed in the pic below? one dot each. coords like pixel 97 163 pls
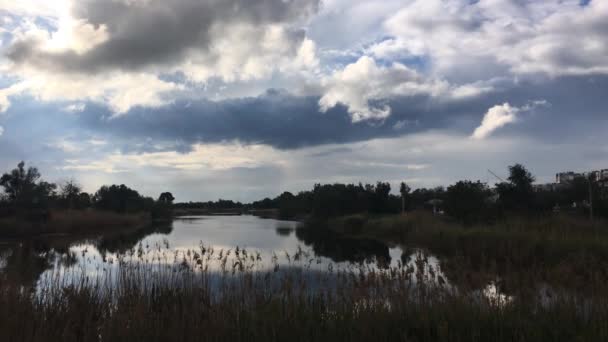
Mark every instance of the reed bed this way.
pixel 73 222
pixel 203 294
pixel 519 252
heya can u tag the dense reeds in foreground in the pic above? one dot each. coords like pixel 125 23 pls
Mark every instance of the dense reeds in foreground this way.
pixel 205 296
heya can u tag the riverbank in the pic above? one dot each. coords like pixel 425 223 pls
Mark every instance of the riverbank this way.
pixel 72 222
pixel 559 250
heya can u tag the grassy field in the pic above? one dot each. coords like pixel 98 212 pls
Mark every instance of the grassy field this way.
pixel 185 301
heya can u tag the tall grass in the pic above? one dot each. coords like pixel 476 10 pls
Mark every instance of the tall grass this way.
pixel 560 250
pixel 211 295
pixel 73 222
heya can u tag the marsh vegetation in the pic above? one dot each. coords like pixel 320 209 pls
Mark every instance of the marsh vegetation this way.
pixel 362 264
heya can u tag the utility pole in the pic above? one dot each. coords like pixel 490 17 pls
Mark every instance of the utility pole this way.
pixel 590 197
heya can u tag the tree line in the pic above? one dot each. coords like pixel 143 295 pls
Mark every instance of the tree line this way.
pixel 26 193
pixel 467 201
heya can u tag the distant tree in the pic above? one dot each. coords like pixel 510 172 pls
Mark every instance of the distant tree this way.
pixel 69 193
pixel 518 193
pixel 24 188
pixel 520 177
pixel 19 181
pixel 166 198
pixel 83 201
pixel 467 201
pixel 420 198
pixel 404 189
pixel 163 207
pixel 381 198
pixel 287 205
pixel 121 198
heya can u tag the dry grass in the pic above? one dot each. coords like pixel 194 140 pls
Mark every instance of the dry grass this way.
pixel 560 250
pixel 74 222
pixel 185 301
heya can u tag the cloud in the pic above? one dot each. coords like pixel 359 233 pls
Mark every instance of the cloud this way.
pixel 1 130
pixel 364 81
pixel 366 88
pixel 513 37
pixel 496 117
pixel 120 91
pixel 210 157
pixel 75 107
pixel 137 34
pixel 129 53
pixel 226 170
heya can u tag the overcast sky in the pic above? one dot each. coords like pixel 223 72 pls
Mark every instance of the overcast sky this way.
pixel 242 99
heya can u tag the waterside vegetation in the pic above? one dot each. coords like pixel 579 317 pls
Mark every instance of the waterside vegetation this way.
pixel 211 295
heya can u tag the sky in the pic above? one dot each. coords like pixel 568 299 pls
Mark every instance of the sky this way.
pixel 244 99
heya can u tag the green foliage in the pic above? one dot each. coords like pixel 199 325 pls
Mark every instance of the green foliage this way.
pixel 163 207
pixel 122 199
pixel 518 193
pixel 166 198
pixel 467 201
pixel 25 189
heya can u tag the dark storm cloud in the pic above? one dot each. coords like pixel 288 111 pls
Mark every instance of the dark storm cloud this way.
pixel 285 121
pixel 577 110
pixel 277 119
pixel 159 32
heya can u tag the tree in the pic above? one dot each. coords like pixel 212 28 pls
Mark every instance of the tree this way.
pixel 521 178
pixel 163 207
pixel 19 181
pixel 166 198
pixel 83 201
pixel 518 193
pixel 24 188
pixel 381 198
pixel 69 193
pixel 467 201
pixel 404 189
pixel 121 198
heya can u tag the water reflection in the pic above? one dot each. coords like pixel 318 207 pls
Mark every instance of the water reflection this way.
pixel 284 231
pixel 274 240
pixel 271 243
pixel 342 249
pixel 121 243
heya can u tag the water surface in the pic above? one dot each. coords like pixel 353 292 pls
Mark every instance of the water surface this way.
pixel 268 243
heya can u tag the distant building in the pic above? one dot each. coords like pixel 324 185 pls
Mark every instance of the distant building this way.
pixel 567 177
pixel 548 186
pixel 563 179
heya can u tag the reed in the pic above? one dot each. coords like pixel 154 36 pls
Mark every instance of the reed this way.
pixel 151 293
pixel 72 222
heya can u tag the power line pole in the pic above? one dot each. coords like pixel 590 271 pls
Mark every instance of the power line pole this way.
pixel 590 197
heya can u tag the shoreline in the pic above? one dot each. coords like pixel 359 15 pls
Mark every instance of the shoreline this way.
pixel 73 223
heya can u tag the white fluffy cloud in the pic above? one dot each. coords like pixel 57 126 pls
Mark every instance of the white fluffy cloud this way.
pixel 496 117
pixel 106 51
pixel 210 157
pixel 120 91
pixel 551 37
pixel 365 87
pixel 365 81
pixel 127 53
